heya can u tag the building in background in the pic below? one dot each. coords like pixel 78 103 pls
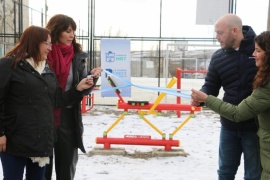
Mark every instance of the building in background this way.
pixel 14 18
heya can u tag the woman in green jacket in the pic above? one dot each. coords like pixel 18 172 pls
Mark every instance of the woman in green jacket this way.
pixel 257 104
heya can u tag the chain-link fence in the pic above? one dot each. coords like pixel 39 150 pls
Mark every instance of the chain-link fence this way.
pixel 153 59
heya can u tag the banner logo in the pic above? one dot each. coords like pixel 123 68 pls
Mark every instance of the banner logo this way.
pixel 110 56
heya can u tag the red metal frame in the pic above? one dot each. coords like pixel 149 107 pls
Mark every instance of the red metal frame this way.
pixel 160 107
pixel 84 106
pixel 168 144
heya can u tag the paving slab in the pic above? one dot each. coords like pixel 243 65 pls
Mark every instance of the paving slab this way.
pixel 107 152
pixel 156 152
pixel 174 152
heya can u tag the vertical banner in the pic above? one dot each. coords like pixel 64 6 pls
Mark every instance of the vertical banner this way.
pixel 115 58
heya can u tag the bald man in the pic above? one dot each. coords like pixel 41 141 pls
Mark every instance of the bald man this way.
pixel 232 69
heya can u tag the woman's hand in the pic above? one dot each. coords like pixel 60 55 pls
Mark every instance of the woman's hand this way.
pixel 85 83
pixel 96 72
pixel 198 96
pixel 3 143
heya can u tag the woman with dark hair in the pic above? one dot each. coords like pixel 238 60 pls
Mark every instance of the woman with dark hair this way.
pixel 29 91
pixel 257 104
pixel 68 61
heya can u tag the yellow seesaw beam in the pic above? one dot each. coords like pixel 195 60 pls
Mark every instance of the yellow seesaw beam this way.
pixel 161 96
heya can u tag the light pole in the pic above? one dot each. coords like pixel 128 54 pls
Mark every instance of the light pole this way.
pixel 46 11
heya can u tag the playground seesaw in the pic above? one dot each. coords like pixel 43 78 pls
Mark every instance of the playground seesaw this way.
pixel 144 107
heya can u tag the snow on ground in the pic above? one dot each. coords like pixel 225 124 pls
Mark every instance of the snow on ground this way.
pixel 199 138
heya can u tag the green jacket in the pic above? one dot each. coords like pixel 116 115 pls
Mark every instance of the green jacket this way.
pixel 257 104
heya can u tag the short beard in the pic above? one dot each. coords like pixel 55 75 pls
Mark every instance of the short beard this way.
pixel 230 44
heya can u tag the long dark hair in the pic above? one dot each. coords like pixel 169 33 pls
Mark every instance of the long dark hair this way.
pixel 263 75
pixel 60 23
pixel 28 45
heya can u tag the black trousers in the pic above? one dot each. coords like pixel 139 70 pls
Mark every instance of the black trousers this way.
pixel 66 148
pixel 48 171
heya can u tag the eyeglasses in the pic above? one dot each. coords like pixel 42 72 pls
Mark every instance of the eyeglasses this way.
pixel 49 44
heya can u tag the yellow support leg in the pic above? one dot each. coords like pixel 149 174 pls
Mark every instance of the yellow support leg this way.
pixel 152 125
pixel 180 126
pixel 116 122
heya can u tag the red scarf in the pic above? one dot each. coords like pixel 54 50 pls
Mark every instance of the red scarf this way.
pixel 60 59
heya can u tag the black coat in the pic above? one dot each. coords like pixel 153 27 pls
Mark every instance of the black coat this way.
pixel 233 70
pixel 27 100
pixel 79 63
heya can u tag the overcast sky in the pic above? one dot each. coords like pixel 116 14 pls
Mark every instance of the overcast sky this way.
pixel 252 12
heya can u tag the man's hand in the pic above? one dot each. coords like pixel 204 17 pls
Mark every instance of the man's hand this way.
pixel 195 103
pixel 198 96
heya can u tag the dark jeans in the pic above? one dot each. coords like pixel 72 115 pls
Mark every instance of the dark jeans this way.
pixel 13 168
pixel 232 145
